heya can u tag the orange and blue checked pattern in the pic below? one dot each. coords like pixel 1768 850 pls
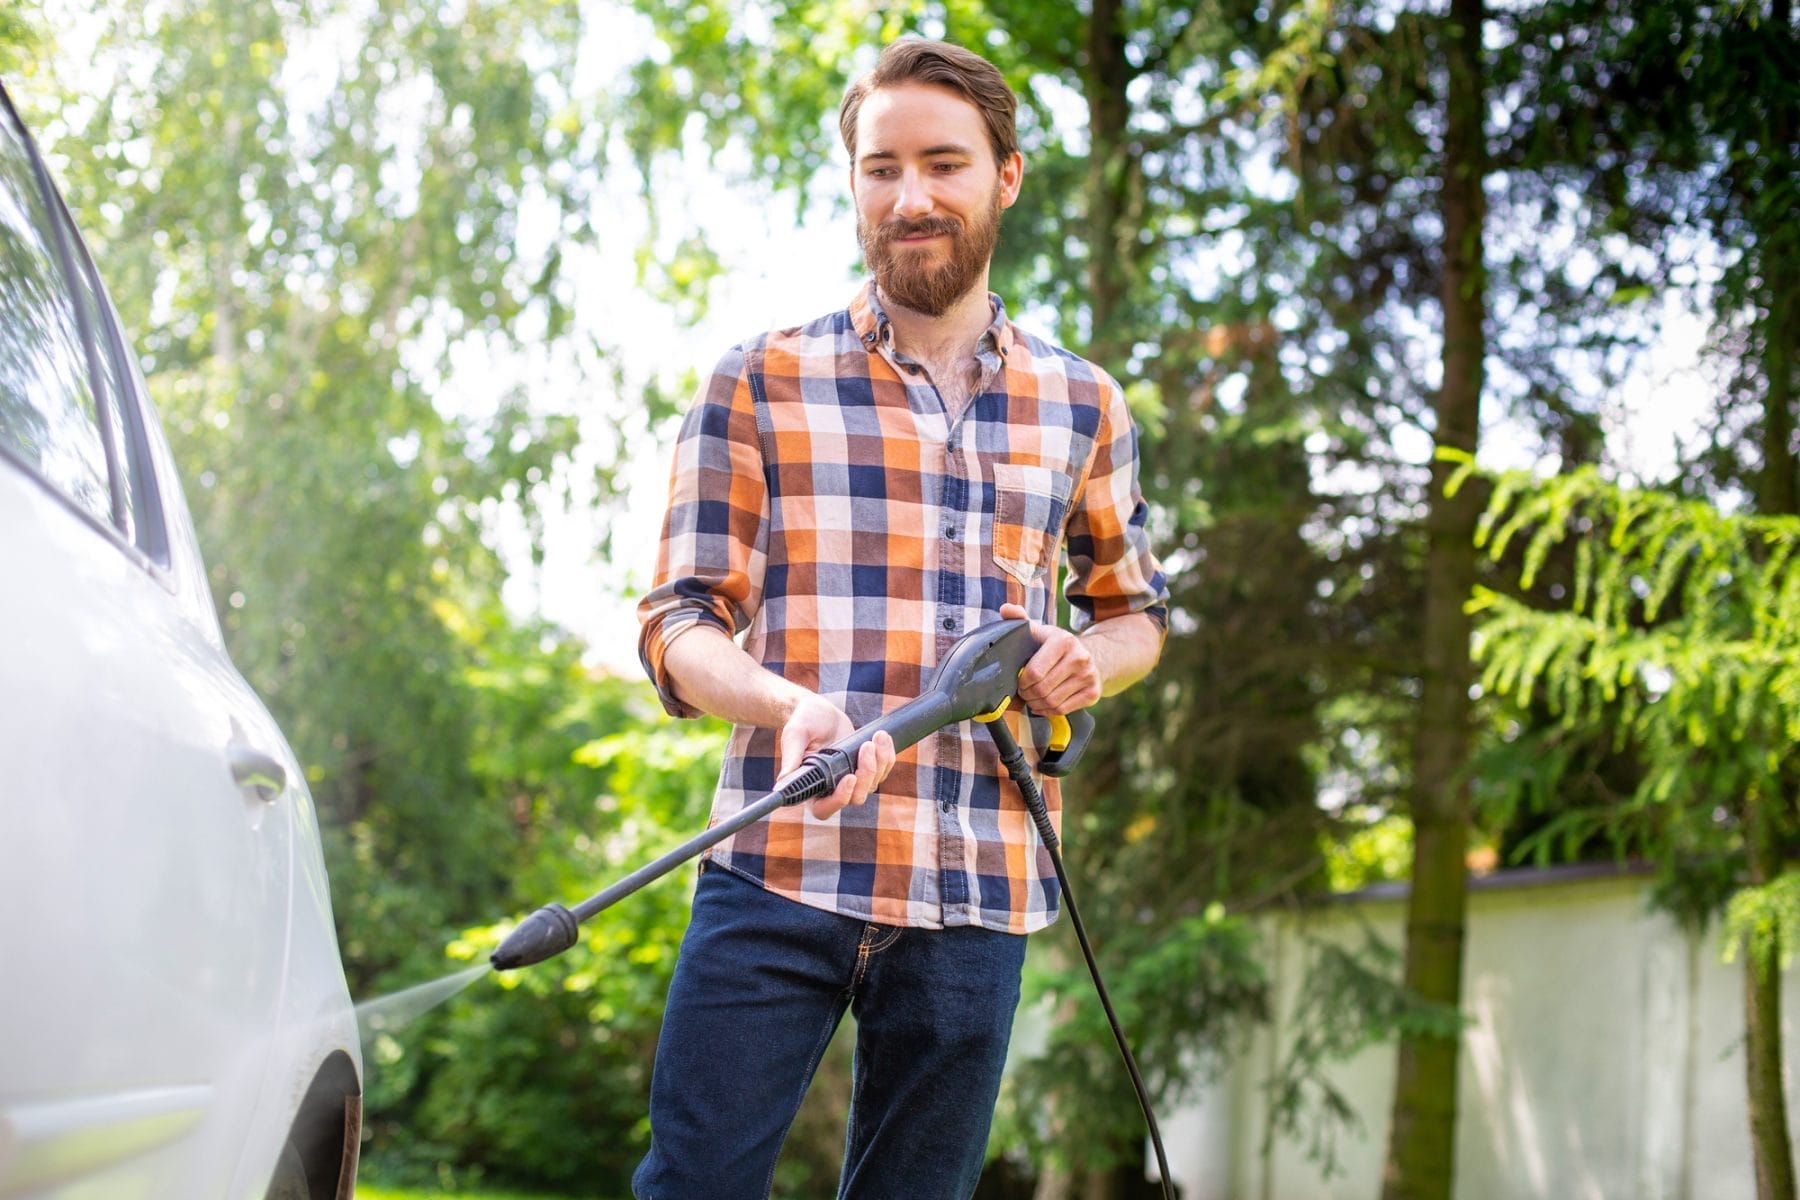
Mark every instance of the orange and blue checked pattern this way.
pixel 828 508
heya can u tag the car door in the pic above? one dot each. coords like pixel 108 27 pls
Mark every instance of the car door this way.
pixel 145 842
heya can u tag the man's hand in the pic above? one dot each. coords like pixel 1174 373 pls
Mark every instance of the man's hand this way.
pixel 1069 673
pixel 712 673
pixel 816 723
pixel 1062 677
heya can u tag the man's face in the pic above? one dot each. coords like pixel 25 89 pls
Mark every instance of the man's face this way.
pixel 928 195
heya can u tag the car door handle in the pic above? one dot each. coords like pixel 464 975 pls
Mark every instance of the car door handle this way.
pixel 252 768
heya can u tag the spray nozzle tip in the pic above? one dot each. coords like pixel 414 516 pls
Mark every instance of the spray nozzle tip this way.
pixel 544 934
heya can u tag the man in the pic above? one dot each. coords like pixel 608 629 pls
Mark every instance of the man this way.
pixel 850 497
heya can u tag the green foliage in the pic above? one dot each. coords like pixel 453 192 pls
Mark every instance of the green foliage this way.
pixel 1677 637
pixel 1544 789
pixel 545 1078
pixel 20 38
pixel 1368 847
pixel 1683 135
pixel 1681 623
pixel 301 264
pixel 1181 992
pixel 1764 922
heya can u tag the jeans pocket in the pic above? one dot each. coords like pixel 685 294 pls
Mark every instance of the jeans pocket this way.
pixel 1030 504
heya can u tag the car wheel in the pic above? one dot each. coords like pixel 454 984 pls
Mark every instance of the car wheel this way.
pixel 290 1176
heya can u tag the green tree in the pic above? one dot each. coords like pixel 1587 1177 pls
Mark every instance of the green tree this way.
pixel 1594 100
pixel 1735 140
pixel 544 1081
pixel 19 38
pixel 1688 113
pixel 301 240
pixel 1386 111
pixel 1421 1157
pixel 1680 635
pixel 309 215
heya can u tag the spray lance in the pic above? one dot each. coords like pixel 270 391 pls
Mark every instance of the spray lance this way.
pixel 975 681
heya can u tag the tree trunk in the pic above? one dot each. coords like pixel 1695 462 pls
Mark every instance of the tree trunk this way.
pixel 1776 494
pixel 1421 1153
pixel 1107 75
pixel 1773 1155
pixel 1054 1184
pixel 1780 481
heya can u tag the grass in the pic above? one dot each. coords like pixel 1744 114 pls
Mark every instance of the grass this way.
pixel 372 1191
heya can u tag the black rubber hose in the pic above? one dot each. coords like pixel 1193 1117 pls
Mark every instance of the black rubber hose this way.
pixel 1014 759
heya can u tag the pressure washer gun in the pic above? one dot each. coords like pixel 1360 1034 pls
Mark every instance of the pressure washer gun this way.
pixel 975 681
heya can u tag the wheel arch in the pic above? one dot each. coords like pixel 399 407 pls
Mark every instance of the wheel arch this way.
pixel 327 1131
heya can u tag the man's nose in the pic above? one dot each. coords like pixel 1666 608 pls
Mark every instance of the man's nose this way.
pixel 914 199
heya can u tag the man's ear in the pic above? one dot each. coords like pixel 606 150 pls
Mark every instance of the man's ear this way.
pixel 1012 177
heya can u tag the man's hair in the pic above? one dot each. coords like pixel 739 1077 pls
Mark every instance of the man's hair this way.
pixel 916 60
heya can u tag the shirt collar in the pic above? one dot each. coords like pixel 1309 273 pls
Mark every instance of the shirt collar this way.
pixel 874 329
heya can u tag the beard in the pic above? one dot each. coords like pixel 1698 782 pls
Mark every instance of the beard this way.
pixel 915 278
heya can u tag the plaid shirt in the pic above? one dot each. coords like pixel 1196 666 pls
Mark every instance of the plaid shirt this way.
pixel 825 501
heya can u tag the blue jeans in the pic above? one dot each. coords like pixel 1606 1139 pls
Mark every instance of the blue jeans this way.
pixel 759 989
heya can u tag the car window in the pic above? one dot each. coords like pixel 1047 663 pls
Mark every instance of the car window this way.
pixel 147 513
pixel 48 414
pixel 143 514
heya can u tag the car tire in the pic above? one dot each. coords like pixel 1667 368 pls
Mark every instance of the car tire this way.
pixel 289 1182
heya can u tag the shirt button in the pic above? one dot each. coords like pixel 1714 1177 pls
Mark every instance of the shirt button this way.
pixel 949 622
pixel 912 368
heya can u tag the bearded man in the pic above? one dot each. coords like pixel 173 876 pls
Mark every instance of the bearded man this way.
pixel 850 497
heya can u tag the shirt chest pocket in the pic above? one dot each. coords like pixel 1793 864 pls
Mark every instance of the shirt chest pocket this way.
pixel 1030 505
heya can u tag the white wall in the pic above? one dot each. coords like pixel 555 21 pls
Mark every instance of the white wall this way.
pixel 1603 1059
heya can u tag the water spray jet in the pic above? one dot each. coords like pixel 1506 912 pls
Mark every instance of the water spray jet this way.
pixel 384 1014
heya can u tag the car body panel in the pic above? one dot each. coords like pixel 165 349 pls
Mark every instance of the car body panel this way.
pixel 171 983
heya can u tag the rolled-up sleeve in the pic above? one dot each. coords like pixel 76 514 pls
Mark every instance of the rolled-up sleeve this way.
pixel 709 563
pixel 1112 570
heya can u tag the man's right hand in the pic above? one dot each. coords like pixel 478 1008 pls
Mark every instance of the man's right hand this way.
pixel 816 723
pixel 713 674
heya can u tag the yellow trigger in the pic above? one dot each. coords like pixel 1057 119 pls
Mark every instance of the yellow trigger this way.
pixel 1060 733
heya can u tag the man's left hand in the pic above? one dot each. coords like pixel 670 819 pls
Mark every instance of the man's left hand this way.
pixel 1062 676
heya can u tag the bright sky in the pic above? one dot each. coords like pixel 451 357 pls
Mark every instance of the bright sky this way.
pixel 778 275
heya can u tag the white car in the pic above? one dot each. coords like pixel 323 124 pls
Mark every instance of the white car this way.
pixel 173 1015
